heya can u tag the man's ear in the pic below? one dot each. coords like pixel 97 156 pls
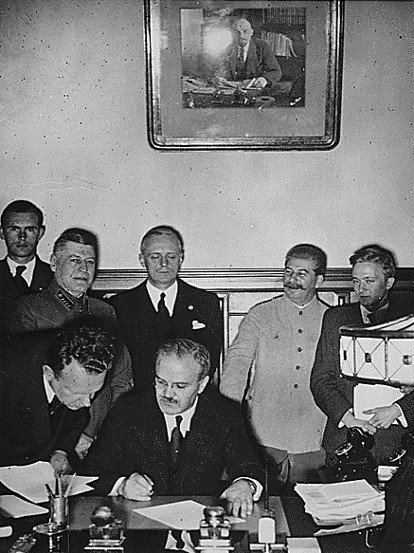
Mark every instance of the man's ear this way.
pixel 203 384
pixel 390 283
pixel 53 259
pixel 1 233
pixel 319 280
pixel 41 232
pixel 141 260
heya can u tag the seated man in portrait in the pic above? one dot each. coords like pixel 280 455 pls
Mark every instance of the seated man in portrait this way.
pixel 46 390
pixel 250 60
pixel 175 440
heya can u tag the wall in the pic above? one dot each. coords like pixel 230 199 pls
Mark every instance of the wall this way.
pixel 73 139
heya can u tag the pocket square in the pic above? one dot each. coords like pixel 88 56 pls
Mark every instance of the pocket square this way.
pixel 196 325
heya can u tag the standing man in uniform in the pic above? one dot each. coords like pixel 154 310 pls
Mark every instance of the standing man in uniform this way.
pixel 165 306
pixel 268 365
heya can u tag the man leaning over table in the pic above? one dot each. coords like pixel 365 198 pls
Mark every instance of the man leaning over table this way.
pixel 175 439
pixel 46 392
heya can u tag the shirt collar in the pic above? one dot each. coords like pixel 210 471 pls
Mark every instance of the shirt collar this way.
pixel 170 295
pixel 315 298
pixel 365 312
pixel 50 394
pixel 27 274
pixel 186 422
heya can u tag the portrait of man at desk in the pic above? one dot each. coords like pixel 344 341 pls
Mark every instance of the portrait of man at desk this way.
pixel 177 440
pixel 243 57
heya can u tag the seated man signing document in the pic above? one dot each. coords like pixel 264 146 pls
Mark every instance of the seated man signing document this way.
pixel 176 441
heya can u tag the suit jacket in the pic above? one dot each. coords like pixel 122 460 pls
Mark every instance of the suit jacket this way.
pixel 42 276
pixel 53 308
pixel 260 62
pixel 134 439
pixel 196 316
pixel 333 392
pixel 26 432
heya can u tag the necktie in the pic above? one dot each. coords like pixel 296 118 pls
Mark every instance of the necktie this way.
pixel 20 282
pixel 162 308
pixel 176 439
pixel 240 65
pixel 373 319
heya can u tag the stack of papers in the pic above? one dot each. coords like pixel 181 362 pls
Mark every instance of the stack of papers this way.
pixel 30 481
pixel 335 504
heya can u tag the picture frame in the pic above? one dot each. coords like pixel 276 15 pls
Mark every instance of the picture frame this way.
pixel 206 92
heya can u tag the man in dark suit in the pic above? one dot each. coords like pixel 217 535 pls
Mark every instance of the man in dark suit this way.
pixel 73 263
pixel 22 271
pixel 47 389
pixel 164 307
pixel 373 274
pixel 250 59
pixel 179 441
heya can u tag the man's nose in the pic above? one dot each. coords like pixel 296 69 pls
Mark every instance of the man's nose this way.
pixel 22 233
pixel 164 261
pixel 169 391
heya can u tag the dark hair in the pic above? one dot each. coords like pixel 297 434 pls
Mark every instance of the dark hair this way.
pixel 92 347
pixel 310 252
pixel 21 206
pixel 78 235
pixel 182 347
pixel 162 230
pixel 374 253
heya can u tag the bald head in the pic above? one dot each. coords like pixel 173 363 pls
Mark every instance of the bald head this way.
pixel 243 31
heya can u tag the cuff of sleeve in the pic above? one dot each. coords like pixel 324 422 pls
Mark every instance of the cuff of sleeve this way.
pixel 401 416
pixel 255 486
pixel 117 485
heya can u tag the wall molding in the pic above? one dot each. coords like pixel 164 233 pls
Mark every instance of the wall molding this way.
pixel 238 279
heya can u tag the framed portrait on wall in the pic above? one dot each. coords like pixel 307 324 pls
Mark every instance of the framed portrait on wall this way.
pixel 244 74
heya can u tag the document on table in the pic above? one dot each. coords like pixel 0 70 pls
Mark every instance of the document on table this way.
pixel 182 515
pixel 331 504
pixel 30 481
pixel 14 507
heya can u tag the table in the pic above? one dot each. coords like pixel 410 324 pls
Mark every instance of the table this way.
pixel 144 535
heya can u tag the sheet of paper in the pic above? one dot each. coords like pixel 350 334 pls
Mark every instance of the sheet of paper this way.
pixel 30 481
pixel 5 531
pixel 182 515
pixel 368 396
pixel 303 545
pixel 14 507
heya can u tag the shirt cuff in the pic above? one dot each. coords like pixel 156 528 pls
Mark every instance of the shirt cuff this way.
pixel 401 416
pixel 117 485
pixel 256 486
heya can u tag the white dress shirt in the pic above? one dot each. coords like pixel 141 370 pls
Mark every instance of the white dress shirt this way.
pixel 27 274
pixel 170 296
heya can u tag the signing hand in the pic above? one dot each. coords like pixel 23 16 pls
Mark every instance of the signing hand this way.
pixel 240 498
pixel 383 417
pixel 60 463
pixel 137 486
pixel 83 445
